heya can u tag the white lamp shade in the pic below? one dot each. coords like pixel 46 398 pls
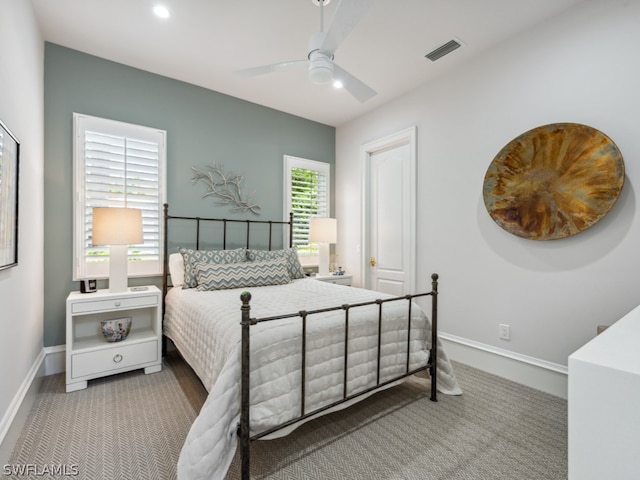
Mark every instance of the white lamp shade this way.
pixel 323 230
pixel 117 226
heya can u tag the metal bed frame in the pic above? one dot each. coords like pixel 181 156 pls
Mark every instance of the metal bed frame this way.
pixel 245 437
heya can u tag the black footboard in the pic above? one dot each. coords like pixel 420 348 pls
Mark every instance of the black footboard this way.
pixel 247 322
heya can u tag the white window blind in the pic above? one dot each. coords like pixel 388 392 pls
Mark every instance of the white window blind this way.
pixel 118 165
pixel 307 188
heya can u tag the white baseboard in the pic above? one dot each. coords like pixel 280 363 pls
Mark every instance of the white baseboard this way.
pixel 14 418
pixel 50 360
pixel 55 361
pixel 530 371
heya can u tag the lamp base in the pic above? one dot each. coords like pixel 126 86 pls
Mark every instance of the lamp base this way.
pixel 323 259
pixel 118 275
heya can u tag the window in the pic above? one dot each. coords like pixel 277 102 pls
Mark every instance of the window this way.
pixel 307 187
pixel 117 165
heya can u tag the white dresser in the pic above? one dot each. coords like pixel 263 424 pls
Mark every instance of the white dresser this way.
pixel 604 404
pixel 89 355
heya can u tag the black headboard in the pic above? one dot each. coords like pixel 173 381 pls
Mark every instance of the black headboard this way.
pixel 195 224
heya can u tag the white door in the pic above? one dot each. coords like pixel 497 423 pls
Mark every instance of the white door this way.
pixel 390 213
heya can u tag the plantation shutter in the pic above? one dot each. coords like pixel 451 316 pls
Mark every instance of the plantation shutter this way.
pixel 307 196
pixel 118 165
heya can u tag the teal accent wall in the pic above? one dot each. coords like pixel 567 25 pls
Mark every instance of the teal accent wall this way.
pixel 202 127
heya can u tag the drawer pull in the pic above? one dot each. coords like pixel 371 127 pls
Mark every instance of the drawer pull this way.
pixel 117 304
pixel 117 358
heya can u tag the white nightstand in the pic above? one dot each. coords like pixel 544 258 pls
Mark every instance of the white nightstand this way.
pixel 345 279
pixel 90 356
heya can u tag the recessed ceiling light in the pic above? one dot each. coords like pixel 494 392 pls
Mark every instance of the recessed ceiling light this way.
pixel 161 11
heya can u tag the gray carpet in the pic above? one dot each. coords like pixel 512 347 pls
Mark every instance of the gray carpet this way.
pixel 132 426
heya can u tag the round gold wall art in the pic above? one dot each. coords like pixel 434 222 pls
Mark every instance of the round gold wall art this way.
pixel 553 181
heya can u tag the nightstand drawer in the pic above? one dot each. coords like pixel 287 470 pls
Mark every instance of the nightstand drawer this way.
pixel 114 358
pixel 345 279
pixel 340 281
pixel 114 304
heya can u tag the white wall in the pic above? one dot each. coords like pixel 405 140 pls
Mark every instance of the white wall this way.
pixel 580 67
pixel 21 109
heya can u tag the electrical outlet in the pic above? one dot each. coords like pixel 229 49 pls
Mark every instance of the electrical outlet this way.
pixel 503 332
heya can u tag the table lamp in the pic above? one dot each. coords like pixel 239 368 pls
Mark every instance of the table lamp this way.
pixel 118 228
pixel 323 231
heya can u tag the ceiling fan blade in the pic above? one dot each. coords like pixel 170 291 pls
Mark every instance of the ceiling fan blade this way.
pixel 261 70
pixel 347 15
pixel 351 84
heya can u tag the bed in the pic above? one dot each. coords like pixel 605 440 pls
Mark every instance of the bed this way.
pixel 275 349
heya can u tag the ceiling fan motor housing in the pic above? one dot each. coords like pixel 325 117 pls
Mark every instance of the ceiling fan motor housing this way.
pixel 320 63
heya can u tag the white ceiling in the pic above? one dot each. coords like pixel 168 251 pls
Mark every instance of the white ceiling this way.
pixel 206 41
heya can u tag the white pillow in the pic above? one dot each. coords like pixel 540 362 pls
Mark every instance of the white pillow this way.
pixel 176 269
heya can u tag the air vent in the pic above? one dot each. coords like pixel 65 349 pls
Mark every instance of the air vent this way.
pixel 443 50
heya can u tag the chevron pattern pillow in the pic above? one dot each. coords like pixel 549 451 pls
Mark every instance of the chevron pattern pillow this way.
pixel 290 254
pixel 191 256
pixel 219 276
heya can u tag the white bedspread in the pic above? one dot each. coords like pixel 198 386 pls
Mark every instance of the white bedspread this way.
pixel 205 327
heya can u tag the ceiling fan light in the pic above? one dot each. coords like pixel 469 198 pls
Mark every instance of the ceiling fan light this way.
pixel 320 75
pixel 337 83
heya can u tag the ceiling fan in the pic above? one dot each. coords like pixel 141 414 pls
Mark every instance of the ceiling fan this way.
pixel 322 45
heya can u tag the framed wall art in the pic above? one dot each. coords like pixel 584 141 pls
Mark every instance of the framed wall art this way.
pixel 9 167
